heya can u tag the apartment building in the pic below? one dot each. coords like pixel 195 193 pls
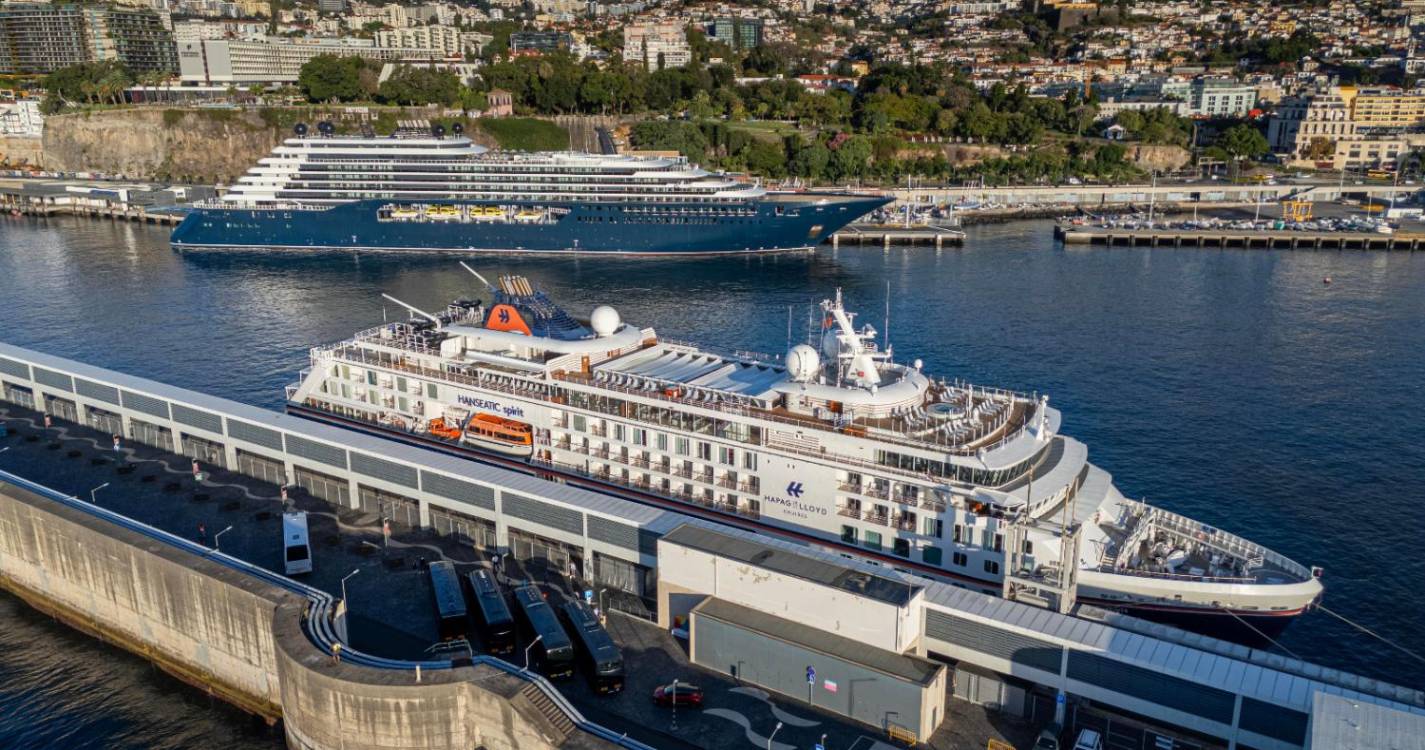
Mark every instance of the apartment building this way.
pixel 43 37
pixel 442 41
pixel 657 44
pixel 1385 108
pixel 1318 129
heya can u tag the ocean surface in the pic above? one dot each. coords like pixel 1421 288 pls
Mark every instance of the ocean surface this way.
pixel 1233 386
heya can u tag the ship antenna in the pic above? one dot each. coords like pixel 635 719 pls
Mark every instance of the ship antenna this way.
pixel 886 333
pixel 487 284
pixel 789 327
pixel 416 310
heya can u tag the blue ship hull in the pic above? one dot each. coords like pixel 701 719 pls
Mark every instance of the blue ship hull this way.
pixel 782 222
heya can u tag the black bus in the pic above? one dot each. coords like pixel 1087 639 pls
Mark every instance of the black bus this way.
pixel 553 653
pixel 601 659
pixel 452 618
pixel 492 614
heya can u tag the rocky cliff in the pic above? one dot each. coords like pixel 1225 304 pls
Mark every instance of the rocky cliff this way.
pixel 205 146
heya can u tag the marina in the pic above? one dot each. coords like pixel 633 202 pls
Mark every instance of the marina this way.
pixel 1248 239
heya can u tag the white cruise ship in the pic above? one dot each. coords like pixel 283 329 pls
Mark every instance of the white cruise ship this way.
pixel 836 443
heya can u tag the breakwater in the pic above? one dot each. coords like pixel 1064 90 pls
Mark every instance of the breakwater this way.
pixel 259 641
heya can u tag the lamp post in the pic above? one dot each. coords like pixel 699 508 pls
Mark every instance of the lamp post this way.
pixel 92 499
pixel 343 584
pixel 219 535
pixel 528 648
pixel 774 734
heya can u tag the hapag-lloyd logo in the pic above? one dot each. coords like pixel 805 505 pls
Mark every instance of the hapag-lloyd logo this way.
pixel 798 507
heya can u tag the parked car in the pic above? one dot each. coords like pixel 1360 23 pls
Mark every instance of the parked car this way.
pixel 678 693
pixel 1049 737
pixel 1089 739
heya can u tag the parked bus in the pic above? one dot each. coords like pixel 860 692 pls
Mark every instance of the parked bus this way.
pixel 296 547
pixel 452 618
pixel 492 615
pixel 596 652
pixel 552 654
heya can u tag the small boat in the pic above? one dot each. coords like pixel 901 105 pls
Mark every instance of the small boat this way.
pixel 498 433
pixel 440 429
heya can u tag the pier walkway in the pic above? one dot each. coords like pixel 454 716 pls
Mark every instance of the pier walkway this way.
pixel 1013 651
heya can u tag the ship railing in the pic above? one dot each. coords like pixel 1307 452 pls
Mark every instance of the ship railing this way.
pixel 1176 576
pixel 848 512
pixel 1235 546
pixel 880 519
pixel 291 389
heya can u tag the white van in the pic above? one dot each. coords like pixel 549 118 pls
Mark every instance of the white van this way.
pixel 297 548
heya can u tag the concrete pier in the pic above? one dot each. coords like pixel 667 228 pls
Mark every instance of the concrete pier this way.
pixel 886 235
pixel 260 641
pixel 1284 239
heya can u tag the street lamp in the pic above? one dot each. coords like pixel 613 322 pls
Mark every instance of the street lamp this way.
pixel 92 499
pixel 219 535
pixel 537 639
pixel 821 743
pixel 774 734
pixel 343 584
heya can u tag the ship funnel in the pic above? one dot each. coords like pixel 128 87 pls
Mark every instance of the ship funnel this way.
pixel 416 310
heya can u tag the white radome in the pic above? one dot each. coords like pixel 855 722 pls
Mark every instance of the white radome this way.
pixel 803 363
pixel 605 320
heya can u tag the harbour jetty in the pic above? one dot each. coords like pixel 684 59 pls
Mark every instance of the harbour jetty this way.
pixel 1227 237
pixel 886 235
pixel 139 202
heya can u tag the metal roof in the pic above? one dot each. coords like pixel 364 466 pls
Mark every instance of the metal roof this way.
pixel 761 553
pixel 1338 723
pixel 900 666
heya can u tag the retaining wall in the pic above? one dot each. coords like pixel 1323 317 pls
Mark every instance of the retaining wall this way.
pixel 243 639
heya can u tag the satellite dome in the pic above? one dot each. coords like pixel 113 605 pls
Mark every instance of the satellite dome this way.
pixel 300 129
pixel 803 363
pixel 831 343
pixel 457 128
pixel 605 320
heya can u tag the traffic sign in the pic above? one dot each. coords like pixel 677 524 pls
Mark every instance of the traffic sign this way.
pixel 811 676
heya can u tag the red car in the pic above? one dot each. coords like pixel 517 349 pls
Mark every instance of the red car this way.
pixel 678 694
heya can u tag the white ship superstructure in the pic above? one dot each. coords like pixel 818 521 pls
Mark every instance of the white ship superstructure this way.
pixel 327 170
pixel 836 443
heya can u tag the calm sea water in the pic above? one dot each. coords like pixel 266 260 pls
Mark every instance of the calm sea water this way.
pixel 1232 386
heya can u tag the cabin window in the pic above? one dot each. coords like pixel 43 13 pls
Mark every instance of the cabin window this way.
pixel 640 436
pixel 933 527
pixel 749 460
pixel 726 456
pixel 873 540
pixel 960 559
pixel 959 535
pixel 581 423
pixel 705 451
pixel 999 543
pixel 902 547
pixel 848 534
pixel 992 567
pixel 619 432
pixel 432 391
pixel 662 441
pixel 930 555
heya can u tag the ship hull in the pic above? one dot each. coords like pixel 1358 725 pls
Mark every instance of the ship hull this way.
pixel 1248 628
pixel 787 223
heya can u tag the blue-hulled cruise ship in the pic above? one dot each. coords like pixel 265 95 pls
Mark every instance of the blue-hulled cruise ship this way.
pixel 431 192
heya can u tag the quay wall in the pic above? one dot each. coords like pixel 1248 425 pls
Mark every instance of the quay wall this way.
pixel 244 640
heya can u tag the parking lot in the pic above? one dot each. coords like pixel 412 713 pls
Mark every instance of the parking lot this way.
pixel 390 601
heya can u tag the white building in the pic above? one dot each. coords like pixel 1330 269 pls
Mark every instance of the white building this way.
pixel 442 41
pixel 272 60
pixel 22 118
pixel 658 44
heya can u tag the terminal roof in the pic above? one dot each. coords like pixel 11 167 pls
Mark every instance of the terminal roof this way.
pixel 770 557
pixel 909 668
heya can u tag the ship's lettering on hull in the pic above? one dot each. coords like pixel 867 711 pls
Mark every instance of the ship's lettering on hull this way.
pixel 490 406
pixel 795 508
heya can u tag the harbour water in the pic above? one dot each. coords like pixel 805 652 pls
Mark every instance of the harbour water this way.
pixel 1233 386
